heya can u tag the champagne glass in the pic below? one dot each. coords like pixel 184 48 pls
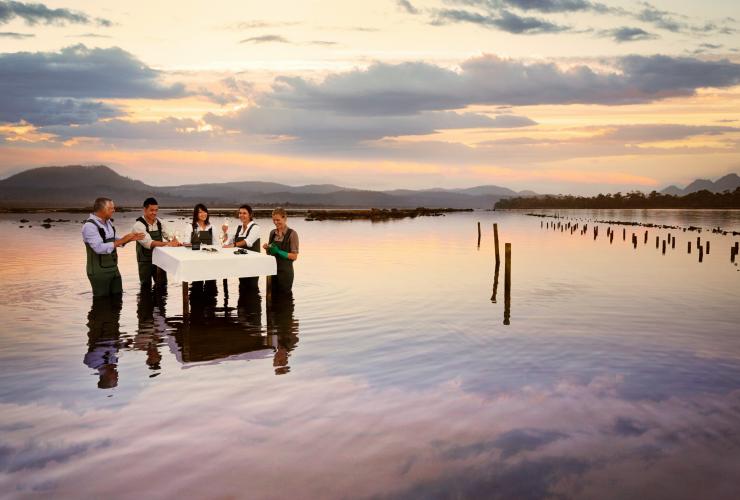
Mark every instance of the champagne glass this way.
pixel 225 228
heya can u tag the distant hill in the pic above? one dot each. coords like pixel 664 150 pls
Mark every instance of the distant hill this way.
pixel 78 186
pixel 729 182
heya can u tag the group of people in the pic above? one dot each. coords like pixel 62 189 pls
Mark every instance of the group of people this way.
pixel 101 244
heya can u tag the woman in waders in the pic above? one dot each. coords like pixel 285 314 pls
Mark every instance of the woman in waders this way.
pixel 283 245
pixel 202 235
pixel 247 236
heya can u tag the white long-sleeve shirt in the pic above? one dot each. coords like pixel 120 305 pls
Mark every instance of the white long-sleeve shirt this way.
pixel 138 227
pixel 254 234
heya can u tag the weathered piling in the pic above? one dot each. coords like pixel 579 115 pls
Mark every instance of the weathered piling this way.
pixel 624 234
pixel 664 247
pixel 701 253
pixel 611 237
pixel 698 241
pixel 507 283
pixel 478 233
pixel 733 252
pixel 689 247
pixel 707 247
pixel 634 240
pixel 646 237
pixel 495 244
pixel 657 241
pixel 495 283
pixel 673 242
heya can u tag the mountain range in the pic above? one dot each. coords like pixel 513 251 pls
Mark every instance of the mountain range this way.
pixel 729 182
pixel 78 186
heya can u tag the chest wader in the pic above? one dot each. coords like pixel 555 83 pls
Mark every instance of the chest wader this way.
pixel 102 268
pixel 147 271
pixel 196 239
pixel 255 247
pixel 283 281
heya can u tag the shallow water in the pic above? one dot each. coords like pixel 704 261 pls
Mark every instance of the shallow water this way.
pixel 389 373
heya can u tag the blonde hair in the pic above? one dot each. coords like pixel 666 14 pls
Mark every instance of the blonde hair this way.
pixel 280 211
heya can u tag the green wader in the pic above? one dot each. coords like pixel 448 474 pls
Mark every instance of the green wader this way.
pixel 248 282
pixel 102 269
pixel 148 271
pixel 283 281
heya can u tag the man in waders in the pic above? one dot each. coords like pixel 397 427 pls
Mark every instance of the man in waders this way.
pixel 154 236
pixel 100 240
pixel 284 246
pixel 247 235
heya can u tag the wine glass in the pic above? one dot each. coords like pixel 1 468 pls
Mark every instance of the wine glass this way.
pixel 225 228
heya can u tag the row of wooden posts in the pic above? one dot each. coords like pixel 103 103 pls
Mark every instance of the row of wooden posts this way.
pixel 702 249
pixel 507 272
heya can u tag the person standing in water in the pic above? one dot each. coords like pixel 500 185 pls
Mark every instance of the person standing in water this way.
pixel 247 235
pixel 283 244
pixel 202 234
pixel 155 236
pixel 101 243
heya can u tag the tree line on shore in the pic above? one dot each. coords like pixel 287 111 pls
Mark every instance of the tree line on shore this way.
pixel 633 199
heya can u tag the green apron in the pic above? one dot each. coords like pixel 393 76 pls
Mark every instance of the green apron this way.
pixel 252 282
pixel 147 271
pixel 283 281
pixel 102 269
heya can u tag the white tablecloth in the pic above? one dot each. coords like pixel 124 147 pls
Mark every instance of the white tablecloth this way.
pixel 184 264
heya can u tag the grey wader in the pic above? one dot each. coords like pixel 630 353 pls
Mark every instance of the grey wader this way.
pixel 283 281
pixel 148 271
pixel 255 247
pixel 102 268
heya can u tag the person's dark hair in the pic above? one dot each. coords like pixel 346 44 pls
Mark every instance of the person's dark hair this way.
pixel 150 201
pixel 100 204
pixel 197 209
pixel 247 208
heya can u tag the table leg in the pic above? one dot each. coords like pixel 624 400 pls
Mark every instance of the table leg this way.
pixel 185 301
pixel 268 290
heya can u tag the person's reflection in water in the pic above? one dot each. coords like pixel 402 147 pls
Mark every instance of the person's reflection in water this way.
pixel 249 308
pixel 152 324
pixel 283 328
pixel 103 322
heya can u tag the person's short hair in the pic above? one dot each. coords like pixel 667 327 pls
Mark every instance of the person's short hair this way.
pixel 100 203
pixel 150 201
pixel 247 208
pixel 280 211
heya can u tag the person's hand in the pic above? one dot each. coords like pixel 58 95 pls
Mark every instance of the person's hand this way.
pixel 136 236
pixel 173 243
pixel 265 246
pixel 228 246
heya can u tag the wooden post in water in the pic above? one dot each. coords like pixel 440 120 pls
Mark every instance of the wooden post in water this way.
pixel 673 242
pixel 495 244
pixel 663 247
pixel 689 247
pixel 495 283
pixel 611 237
pixel 657 241
pixel 701 253
pixel 698 241
pixel 507 283
pixel 634 240
pixel 478 233
pixel 707 247
pixel 646 237
pixel 185 300
pixel 733 253
pixel 624 233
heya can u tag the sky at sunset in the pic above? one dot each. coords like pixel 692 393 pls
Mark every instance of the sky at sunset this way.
pixel 554 96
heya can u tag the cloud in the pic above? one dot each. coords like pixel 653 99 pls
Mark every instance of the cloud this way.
pixel 51 88
pixel 89 35
pixel 248 25
pixel 408 88
pixel 504 21
pixel 282 39
pixel 37 13
pixel 326 127
pixel 627 34
pixel 265 39
pixel 406 6
pixel 16 36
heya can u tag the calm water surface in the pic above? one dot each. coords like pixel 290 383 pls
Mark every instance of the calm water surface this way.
pixel 390 372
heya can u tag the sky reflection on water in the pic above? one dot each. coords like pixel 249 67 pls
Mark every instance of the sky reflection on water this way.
pixel 619 375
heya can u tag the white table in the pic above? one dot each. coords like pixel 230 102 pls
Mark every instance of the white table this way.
pixel 184 264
